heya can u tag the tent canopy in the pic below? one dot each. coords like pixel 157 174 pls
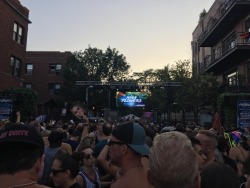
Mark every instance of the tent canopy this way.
pixel 130 116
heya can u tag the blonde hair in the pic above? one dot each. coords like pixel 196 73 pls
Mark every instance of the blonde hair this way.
pixel 172 161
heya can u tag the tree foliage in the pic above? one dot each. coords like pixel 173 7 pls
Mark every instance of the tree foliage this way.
pixel 198 93
pixel 195 93
pixel 92 65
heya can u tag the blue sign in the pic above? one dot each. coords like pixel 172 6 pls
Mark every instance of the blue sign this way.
pixel 243 114
pixel 5 108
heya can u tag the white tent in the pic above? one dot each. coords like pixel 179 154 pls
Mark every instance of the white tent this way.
pixel 130 117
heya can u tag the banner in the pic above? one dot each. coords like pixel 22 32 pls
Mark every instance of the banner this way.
pixel 5 108
pixel 243 114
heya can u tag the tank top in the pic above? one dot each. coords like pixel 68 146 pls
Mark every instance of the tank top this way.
pixel 89 183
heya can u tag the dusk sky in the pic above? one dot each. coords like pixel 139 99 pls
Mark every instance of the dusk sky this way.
pixel 149 33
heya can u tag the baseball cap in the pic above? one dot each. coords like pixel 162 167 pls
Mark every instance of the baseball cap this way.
pixel 21 134
pixel 101 121
pixel 133 135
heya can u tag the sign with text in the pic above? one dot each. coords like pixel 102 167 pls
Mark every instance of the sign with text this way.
pixel 5 108
pixel 243 114
pixel 131 99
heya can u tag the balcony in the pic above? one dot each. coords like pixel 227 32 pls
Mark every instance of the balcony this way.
pixel 231 52
pixel 224 20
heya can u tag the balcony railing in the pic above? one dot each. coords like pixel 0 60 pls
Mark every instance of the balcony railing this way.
pixel 217 17
pixel 227 46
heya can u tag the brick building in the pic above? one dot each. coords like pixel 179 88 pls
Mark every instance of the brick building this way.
pixel 43 73
pixel 14 20
pixel 221 44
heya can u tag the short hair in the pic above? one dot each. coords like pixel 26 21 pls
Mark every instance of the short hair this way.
pixel 195 142
pixel 219 175
pixel 172 161
pixel 68 162
pixel 16 157
pixel 106 129
pixel 211 137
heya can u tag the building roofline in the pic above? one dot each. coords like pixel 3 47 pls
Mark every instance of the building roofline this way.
pixel 18 11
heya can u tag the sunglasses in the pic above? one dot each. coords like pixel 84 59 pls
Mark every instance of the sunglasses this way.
pixel 55 172
pixel 111 142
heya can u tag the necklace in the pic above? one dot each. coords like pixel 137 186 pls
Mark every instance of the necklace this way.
pixel 124 172
pixel 23 185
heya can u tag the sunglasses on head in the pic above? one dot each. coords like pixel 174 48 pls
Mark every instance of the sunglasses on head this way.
pixel 55 172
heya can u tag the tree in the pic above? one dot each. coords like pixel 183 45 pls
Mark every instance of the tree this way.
pixel 93 65
pixel 198 93
pixel 145 76
pixel 180 71
pixel 115 65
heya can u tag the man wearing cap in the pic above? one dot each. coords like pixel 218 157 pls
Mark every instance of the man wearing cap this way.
pixel 127 145
pixel 21 156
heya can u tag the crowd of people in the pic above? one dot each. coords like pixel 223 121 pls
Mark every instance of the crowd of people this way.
pixel 126 154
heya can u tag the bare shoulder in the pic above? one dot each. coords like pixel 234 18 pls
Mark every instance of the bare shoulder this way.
pixel 92 134
pixel 120 183
pixel 66 147
pixel 131 181
pixel 40 186
pixel 234 150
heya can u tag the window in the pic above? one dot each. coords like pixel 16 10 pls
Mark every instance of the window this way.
pixel 15 65
pixel 27 85
pixel 247 29
pixel 55 69
pixel 29 69
pixel 53 88
pixel 18 33
pixel 232 79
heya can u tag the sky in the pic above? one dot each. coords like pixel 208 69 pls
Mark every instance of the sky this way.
pixel 151 34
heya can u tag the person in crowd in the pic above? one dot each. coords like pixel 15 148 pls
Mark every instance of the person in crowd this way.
pixel 64 170
pixel 79 111
pixel 239 154
pixel 223 148
pixel 73 139
pixel 247 184
pixel 36 125
pixel 98 133
pixel 127 145
pixel 209 143
pixel 150 134
pixel 21 156
pixel 155 127
pixel 55 141
pixel 106 130
pixel 199 153
pixel 103 161
pixel 218 175
pixel 64 146
pixel 245 172
pixel 82 122
pixel 173 162
pixel 88 177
